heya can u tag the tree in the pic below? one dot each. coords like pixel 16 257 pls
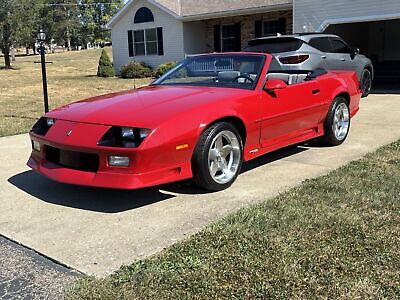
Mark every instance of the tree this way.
pixel 29 19
pixel 18 20
pixel 105 68
pixel 66 22
pixel 62 22
pixel 95 14
pixel 7 8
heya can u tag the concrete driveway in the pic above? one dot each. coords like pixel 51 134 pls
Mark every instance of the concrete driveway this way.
pixel 96 230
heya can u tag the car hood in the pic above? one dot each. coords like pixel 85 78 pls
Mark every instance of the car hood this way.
pixel 145 107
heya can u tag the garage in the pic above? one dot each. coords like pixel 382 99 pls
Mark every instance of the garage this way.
pixel 370 25
pixel 380 41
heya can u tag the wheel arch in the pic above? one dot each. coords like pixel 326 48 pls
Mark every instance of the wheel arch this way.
pixel 371 69
pixel 345 95
pixel 235 121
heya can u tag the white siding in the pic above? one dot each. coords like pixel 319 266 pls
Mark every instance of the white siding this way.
pixel 195 37
pixel 172 36
pixel 313 15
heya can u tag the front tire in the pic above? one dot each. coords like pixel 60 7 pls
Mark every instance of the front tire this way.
pixel 217 159
pixel 337 122
pixel 366 82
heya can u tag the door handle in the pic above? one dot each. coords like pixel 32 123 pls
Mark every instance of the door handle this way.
pixel 316 91
pixel 323 57
pixel 342 59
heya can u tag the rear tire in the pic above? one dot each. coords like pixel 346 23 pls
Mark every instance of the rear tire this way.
pixel 337 122
pixel 366 82
pixel 217 158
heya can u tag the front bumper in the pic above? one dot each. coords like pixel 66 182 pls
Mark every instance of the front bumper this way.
pixel 111 178
pixel 148 166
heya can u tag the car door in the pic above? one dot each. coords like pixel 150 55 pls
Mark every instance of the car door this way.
pixel 290 112
pixel 322 44
pixel 339 58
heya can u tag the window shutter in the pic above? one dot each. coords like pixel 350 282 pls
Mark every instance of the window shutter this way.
pixel 130 43
pixel 258 29
pixel 160 41
pixel 217 38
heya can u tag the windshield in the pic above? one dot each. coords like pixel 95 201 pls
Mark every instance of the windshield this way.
pixel 240 71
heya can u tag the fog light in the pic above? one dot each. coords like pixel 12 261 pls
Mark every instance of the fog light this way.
pixel 118 161
pixel 36 145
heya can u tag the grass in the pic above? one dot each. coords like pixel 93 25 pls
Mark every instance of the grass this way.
pixel 71 77
pixel 333 237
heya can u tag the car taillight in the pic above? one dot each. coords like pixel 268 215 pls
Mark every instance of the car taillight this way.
pixel 295 59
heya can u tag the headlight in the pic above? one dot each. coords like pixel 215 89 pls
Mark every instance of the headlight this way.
pixel 43 125
pixel 50 122
pixel 125 137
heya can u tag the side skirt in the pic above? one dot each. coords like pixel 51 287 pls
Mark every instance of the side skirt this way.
pixel 314 133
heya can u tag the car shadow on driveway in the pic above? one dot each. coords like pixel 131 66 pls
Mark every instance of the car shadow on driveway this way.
pixel 115 201
pixel 86 198
pixel 186 188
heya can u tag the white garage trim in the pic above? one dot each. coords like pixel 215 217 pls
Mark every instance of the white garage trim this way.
pixel 328 22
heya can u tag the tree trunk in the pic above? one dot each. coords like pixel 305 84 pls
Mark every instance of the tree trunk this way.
pixel 7 45
pixel 7 62
pixel 68 41
pixel 12 54
pixel 27 50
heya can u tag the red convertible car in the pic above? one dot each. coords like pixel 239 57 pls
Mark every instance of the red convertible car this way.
pixel 201 120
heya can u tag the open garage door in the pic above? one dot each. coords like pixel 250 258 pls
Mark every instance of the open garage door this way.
pixel 380 41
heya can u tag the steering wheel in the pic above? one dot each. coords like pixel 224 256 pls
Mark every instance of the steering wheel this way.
pixel 245 76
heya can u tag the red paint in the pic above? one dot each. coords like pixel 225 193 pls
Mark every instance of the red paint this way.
pixel 178 115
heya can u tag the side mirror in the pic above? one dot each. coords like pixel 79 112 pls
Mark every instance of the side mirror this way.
pixel 274 84
pixel 354 52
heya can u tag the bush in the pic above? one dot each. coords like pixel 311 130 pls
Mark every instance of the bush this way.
pixel 134 69
pixel 105 68
pixel 164 68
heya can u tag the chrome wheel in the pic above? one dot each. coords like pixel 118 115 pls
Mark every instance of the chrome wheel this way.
pixel 224 157
pixel 341 121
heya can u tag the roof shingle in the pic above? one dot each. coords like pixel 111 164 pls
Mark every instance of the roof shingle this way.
pixel 185 8
pixel 192 7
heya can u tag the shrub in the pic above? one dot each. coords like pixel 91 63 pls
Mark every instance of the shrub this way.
pixel 134 69
pixel 105 68
pixel 164 68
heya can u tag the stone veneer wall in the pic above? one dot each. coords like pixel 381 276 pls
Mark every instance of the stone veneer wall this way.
pixel 247 25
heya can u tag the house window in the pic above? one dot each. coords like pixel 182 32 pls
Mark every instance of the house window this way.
pixel 265 28
pixel 143 15
pixel 145 42
pixel 140 45
pixel 227 37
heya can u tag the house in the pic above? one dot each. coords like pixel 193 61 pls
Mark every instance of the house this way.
pixel 370 25
pixel 157 31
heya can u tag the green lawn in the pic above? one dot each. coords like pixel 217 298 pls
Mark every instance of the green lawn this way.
pixel 333 237
pixel 71 77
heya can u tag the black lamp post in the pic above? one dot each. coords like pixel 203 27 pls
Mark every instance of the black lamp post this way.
pixel 41 37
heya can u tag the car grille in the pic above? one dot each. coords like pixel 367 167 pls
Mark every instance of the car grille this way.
pixel 73 160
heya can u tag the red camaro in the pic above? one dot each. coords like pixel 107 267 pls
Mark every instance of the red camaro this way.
pixel 201 120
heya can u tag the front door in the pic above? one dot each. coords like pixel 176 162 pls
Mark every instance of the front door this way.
pixel 290 113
